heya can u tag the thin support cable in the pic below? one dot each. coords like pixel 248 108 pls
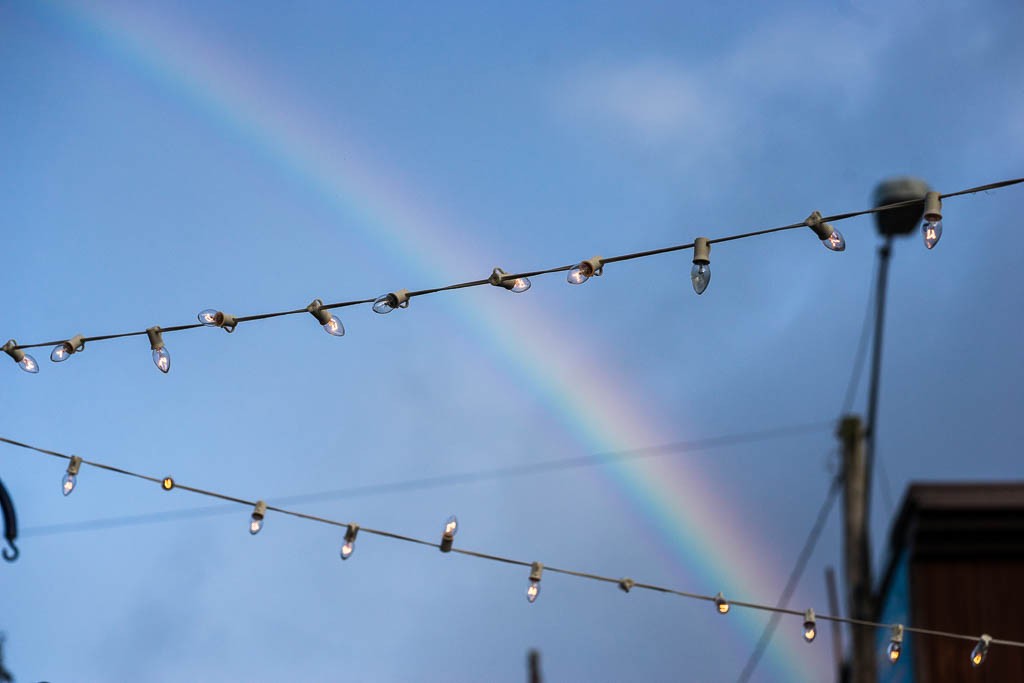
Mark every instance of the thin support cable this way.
pixel 521 563
pixel 614 259
pixel 792 582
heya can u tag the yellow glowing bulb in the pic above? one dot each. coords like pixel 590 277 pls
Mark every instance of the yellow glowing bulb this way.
pixel 167 484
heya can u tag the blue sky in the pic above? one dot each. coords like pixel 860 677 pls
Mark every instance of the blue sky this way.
pixel 160 159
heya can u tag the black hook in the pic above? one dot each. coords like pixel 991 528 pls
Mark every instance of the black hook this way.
pixel 11 557
pixel 10 524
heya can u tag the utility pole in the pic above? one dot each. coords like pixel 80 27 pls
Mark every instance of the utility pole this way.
pixel 856 552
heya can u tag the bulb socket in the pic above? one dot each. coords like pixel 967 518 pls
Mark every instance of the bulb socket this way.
pixel 933 206
pixel 156 338
pixel 226 321
pixel 592 267
pixel 499 278
pixel 259 511
pixel 536 569
pixel 74 464
pixel 399 299
pixel 626 584
pixel 701 251
pixel 10 348
pixel 351 532
pixel 897 634
pixel 446 542
pixel 317 310
pixel 822 229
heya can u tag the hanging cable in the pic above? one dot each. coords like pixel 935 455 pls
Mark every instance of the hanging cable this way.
pixel 437 481
pixel 260 509
pixel 578 274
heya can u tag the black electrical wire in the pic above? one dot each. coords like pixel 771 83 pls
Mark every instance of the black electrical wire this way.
pixel 507 560
pixel 614 259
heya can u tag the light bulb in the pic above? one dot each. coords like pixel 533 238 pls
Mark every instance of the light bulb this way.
pixel 334 327
pixel 835 241
pixel 383 304
pixel 259 511
pixel 162 359
pixel 700 276
pixel 931 230
pixel 980 650
pixel 68 483
pixel 520 284
pixel 255 525
pixel 61 352
pixel 893 651
pixel 579 274
pixel 533 591
pixel 350 541
pixel 722 604
pixel 810 626
pixel 451 526
pixel 208 317
pixel 167 484
pixel 29 364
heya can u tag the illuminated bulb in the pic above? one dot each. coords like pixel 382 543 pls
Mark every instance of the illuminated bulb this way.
pixel 584 270
pixel 722 604
pixel 835 241
pixel 520 284
pixel 536 569
pixel 895 644
pixel 980 650
pixel 810 626
pixel 350 540
pixel 931 228
pixel 167 484
pixel 61 352
pixel 28 364
pixel 328 321
pixel 451 527
pixel 334 327
pixel 71 475
pixel 499 278
pixel 24 361
pixel 700 274
pixel 68 483
pixel 258 513
pixel 212 318
pixel 209 317
pixel 829 236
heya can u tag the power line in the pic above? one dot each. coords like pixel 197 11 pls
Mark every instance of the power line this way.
pixel 792 582
pixel 625 583
pixel 503 279
pixel 437 481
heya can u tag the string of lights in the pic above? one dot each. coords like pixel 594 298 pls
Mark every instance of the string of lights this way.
pixel 577 274
pixel 450 479
pixel 536 569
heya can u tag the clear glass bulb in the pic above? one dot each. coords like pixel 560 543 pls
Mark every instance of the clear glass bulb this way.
pixel 835 241
pixel 68 483
pixel 893 651
pixel 810 631
pixel 520 284
pixel 700 276
pixel 533 591
pixel 931 231
pixel 208 317
pixel 60 352
pixel 579 274
pixel 978 653
pixel 451 526
pixel 29 364
pixel 382 304
pixel 346 550
pixel 334 327
pixel 162 359
pixel 255 525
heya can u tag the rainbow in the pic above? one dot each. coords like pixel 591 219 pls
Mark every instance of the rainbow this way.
pixel 672 495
